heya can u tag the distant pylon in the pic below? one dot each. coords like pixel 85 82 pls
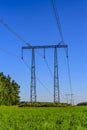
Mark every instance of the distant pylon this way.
pixel 56 78
pixel 70 96
pixel 33 79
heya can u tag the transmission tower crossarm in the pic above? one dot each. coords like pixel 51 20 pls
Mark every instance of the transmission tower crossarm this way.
pixel 45 46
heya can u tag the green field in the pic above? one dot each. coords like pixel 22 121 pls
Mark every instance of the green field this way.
pixel 50 118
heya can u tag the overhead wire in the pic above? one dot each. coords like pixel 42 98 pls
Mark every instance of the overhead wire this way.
pixel 57 19
pixel 12 54
pixel 44 86
pixel 14 33
pixel 46 62
pixel 70 83
pixel 69 74
pixel 9 53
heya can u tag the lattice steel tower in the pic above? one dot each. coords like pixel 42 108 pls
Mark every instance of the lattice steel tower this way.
pixel 33 79
pixel 56 78
pixel 33 75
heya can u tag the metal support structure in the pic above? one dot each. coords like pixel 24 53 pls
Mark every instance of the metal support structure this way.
pixel 56 78
pixel 45 46
pixel 69 97
pixel 33 79
pixel 33 76
pixel 67 100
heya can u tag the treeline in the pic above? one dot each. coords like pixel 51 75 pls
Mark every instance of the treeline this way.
pixel 9 91
pixel 82 104
pixel 43 104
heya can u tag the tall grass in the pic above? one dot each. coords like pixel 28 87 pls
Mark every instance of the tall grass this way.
pixel 51 118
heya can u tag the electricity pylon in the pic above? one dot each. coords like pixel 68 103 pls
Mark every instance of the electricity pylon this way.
pixel 33 75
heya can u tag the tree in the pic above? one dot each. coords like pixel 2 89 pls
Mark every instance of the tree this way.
pixel 9 91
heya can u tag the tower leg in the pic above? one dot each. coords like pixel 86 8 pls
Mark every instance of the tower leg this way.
pixel 56 78
pixel 33 79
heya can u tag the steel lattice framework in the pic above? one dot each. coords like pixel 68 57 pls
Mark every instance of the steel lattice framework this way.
pixel 33 79
pixel 33 75
pixel 56 78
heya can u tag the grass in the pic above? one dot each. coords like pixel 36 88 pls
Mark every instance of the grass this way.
pixel 42 118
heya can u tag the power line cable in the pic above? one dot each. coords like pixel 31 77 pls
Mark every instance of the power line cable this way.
pixel 25 63
pixel 71 91
pixel 9 53
pixel 46 62
pixel 14 55
pixel 69 75
pixel 57 19
pixel 44 86
pixel 12 31
pixel 39 54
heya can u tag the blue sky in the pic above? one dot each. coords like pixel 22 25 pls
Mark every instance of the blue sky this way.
pixel 34 20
